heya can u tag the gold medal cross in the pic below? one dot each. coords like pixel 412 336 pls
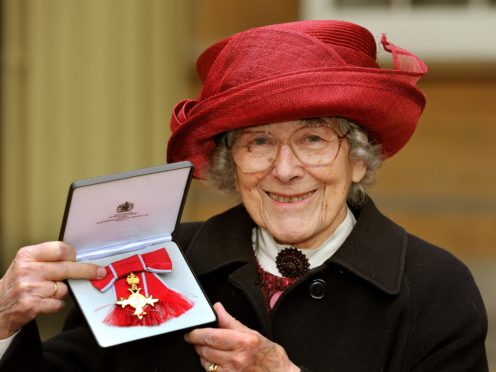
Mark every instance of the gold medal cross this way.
pixel 136 300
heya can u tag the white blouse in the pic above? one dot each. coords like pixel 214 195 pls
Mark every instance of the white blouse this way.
pixel 266 248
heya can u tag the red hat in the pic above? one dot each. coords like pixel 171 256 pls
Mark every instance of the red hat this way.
pixel 298 70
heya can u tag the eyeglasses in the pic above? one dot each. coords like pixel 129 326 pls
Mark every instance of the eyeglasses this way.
pixel 313 145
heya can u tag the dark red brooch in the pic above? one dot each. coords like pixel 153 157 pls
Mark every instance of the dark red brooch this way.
pixel 291 263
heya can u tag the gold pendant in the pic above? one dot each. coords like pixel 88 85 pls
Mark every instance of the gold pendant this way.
pixel 136 300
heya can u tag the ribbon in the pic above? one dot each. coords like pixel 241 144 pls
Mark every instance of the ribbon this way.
pixel 151 288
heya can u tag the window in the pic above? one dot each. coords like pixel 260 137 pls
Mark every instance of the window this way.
pixel 434 29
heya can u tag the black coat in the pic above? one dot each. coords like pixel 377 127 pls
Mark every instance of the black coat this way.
pixel 386 301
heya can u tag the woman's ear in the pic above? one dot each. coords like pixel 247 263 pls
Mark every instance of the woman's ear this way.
pixel 358 170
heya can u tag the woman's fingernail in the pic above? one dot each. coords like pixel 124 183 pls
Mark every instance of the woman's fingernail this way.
pixel 101 272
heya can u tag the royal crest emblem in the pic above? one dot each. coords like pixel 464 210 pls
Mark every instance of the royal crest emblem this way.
pixel 125 207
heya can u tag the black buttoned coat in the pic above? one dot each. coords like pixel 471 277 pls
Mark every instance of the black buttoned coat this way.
pixel 386 301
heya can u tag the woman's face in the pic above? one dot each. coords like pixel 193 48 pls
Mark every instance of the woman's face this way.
pixel 298 204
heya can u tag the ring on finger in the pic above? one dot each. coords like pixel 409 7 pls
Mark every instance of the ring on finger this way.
pixel 212 367
pixel 55 289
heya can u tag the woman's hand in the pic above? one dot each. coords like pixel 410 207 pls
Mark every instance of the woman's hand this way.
pixel 235 347
pixel 33 284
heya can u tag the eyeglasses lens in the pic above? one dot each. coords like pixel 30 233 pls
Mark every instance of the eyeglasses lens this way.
pixel 313 145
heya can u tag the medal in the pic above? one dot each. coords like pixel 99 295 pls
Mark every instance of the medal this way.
pixel 136 300
pixel 138 274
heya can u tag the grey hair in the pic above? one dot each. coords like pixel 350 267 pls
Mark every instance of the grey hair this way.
pixel 221 173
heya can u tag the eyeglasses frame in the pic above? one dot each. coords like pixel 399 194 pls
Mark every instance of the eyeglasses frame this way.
pixel 280 143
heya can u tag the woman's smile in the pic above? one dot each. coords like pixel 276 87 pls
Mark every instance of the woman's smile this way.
pixel 289 198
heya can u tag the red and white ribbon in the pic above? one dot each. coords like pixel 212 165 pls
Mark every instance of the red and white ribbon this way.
pixel 171 304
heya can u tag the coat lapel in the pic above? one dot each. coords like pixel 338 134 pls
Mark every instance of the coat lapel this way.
pixel 375 250
pixel 224 243
pixel 223 240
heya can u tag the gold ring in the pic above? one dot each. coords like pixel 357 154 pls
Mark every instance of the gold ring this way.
pixel 55 289
pixel 212 367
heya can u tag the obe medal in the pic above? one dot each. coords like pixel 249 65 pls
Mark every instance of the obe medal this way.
pixel 136 300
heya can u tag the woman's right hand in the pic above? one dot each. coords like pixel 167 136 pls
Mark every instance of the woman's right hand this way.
pixel 33 284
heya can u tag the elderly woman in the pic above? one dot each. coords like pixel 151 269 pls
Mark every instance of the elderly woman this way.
pixel 306 273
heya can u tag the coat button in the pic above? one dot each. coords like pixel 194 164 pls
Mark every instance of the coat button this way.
pixel 317 289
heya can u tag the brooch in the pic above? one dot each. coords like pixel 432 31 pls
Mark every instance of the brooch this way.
pixel 291 263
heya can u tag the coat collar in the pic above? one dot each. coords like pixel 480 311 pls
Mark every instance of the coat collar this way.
pixel 374 251
pixel 223 240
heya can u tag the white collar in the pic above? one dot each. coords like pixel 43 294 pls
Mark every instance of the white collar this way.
pixel 266 248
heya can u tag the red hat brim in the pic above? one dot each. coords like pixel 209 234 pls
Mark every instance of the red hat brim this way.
pixel 378 101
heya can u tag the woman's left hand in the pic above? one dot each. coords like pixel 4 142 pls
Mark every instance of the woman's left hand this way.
pixel 235 347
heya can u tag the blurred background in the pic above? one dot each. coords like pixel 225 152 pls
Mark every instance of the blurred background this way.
pixel 87 88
